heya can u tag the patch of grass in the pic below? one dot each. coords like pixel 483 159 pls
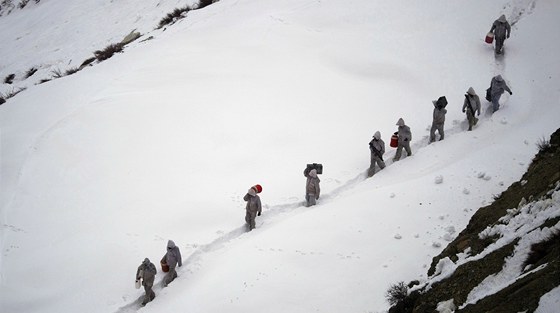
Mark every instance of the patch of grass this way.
pixel 30 72
pixel 87 62
pixel 176 14
pixel 9 79
pixel 57 73
pixel 44 80
pixel 22 3
pixel 71 71
pixel 204 3
pixel 543 144
pixel 108 52
pixel 396 293
pixel 10 94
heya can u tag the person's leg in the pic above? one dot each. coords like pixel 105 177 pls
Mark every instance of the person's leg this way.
pixel 311 200
pixel 407 148
pixel 248 217
pixel 371 169
pixel 499 44
pixel 152 293
pixel 146 295
pixel 398 153
pixel 470 118
pixel 380 163
pixel 441 133
pixel 252 222
pixel 495 103
pixel 433 133
pixel 171 275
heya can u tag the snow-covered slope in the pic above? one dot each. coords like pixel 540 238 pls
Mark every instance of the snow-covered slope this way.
pixel 101 168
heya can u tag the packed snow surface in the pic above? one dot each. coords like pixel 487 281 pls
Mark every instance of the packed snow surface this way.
pixel 99 169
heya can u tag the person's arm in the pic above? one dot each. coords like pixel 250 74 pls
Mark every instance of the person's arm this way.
pixel 138 272
pixel 179 259
pixel 493 27
pixel 317 189
pixel 508 29
pixel 259 206
pixel 507 88
pixel 477 100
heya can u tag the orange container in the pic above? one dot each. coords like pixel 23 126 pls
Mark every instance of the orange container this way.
pixel 164 267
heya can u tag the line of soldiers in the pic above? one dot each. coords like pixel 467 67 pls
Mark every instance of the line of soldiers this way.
pixel 471 106
pixel 147 271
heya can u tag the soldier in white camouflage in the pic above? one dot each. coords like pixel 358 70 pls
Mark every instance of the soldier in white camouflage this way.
pixel 377 149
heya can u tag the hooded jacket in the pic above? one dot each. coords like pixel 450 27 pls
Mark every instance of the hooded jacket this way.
pixel 253 202
pixel 501 28
pixel 312 186
pixel 404 131
pixel 439 114
pixel 147 272
pixel 173 255
pixel 497 86
pixel 378 144
pixel 472 101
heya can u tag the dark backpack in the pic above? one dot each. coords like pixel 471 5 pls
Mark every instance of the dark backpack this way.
pixel 314 166
pixel 441 102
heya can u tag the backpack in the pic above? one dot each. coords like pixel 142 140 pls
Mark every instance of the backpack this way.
pixel 489 94
pixel 441 102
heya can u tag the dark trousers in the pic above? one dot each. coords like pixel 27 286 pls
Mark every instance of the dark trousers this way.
pixel 406 146
pixel 499 44
pixel 150 294
pixel 439 128
pixel 375 160
pixel 472 119
pixel 250 219
pixel 496 102
pixel 171 275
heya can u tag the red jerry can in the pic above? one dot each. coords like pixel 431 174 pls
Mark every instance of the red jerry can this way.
pixel 489 38
pixel 164 267
pixel 394 140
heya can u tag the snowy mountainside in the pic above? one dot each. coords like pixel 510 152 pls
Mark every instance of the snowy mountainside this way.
pixel 101 168
pixel 50 36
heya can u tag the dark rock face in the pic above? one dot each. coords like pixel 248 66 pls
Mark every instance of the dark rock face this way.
pixel 524 293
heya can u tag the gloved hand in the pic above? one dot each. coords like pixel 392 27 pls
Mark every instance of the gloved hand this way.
pixel 463 111
pixel 317 198
pixel 510 93
pixel 406 139
pixel 259 214
pixel 478 113
pixel 507 36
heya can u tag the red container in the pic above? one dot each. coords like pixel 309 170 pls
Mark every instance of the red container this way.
pixel 489 38
pixel 258 188
pixel 164 267
pixel 394 141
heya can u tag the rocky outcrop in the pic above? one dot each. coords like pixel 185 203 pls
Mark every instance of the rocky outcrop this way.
pixel 508 256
